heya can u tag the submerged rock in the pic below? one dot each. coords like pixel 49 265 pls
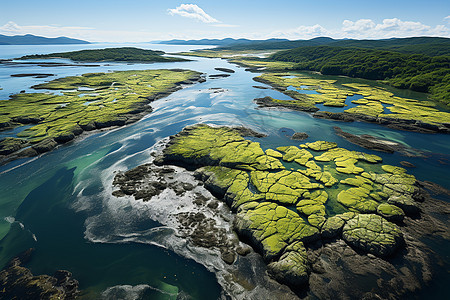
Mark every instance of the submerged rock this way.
pixel 299 136
pixel 17 282
pixel 226 70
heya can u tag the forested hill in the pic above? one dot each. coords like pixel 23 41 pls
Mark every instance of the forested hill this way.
pixel 417 72
pixel 30 39
pixel 110 54
pixel 433 46
pixel 219 42
pixel 275 45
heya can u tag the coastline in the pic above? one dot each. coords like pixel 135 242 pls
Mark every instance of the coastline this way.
pixel 142 108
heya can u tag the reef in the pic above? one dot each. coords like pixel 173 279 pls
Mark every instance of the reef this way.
pixel 376 105
pixel 17 282
pixel 226 70
pixel 378 144
pixel 287 199
pixel 34 75
pixel 305 209
pixel 219 75
pixel 87 102
pixel 299 136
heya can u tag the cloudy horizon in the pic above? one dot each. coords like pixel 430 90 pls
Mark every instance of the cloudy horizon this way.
pixel 211 21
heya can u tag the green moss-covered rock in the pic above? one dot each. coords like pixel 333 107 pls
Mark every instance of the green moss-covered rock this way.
pixel 321 145
pixel 201 145
pixel 346 165
pixel 373 234
pixel 9 145
pixel 292 153
pixel 393 169
pixel 357 199
pixel 272 227
pixel 406 113
pixel 316 220
pixel 284 187
pixel 332 227
pixel 274 153
pixel 292 267
pixel 312 205
pixel 315 171
pixel 405 202
pixel 358 181
pixel 390 212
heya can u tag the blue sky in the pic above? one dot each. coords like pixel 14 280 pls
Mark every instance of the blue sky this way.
pixel 145 20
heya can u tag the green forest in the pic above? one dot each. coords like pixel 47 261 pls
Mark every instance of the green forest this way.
pixel 432 46
pixel 110 54
pixel 417 72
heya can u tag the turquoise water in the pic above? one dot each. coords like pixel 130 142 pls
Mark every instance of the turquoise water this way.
pixel 62 199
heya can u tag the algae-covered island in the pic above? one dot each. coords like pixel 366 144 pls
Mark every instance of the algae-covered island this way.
pixel 293 201
pixel 278 168
pixel 87 102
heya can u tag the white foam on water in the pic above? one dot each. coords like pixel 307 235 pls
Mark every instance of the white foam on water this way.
pixel 129 292
pixel 9 219
pixel 120 217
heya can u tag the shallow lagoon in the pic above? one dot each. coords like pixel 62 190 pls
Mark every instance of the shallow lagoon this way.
pixel 60 195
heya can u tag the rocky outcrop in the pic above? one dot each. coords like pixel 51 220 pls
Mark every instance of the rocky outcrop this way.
pixel 292 268
pixel 299 136
pixel 330 199
pixel 256 186
pixel 17 282
pixel 226 70
pixel 378 144
pixel 373 234
pixel 291 104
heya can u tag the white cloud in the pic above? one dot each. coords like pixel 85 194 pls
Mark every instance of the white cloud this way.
pixel 358 26
pixel 194 12
pixel 447 18
pixel 84 33
pixel 302 32
pixel 366 28
pixel 12 28
pixel 225 25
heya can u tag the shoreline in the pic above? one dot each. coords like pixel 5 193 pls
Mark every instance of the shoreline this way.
pixel 142 109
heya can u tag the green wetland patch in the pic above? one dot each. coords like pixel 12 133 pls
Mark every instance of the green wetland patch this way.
pixel 375 105
pixel 87 102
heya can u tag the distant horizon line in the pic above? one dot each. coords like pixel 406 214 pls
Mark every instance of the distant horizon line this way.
pixel 209 38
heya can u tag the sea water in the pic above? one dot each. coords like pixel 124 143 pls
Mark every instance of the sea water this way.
pixel 57 203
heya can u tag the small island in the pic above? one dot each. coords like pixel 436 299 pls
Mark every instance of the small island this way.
pixel 128 54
